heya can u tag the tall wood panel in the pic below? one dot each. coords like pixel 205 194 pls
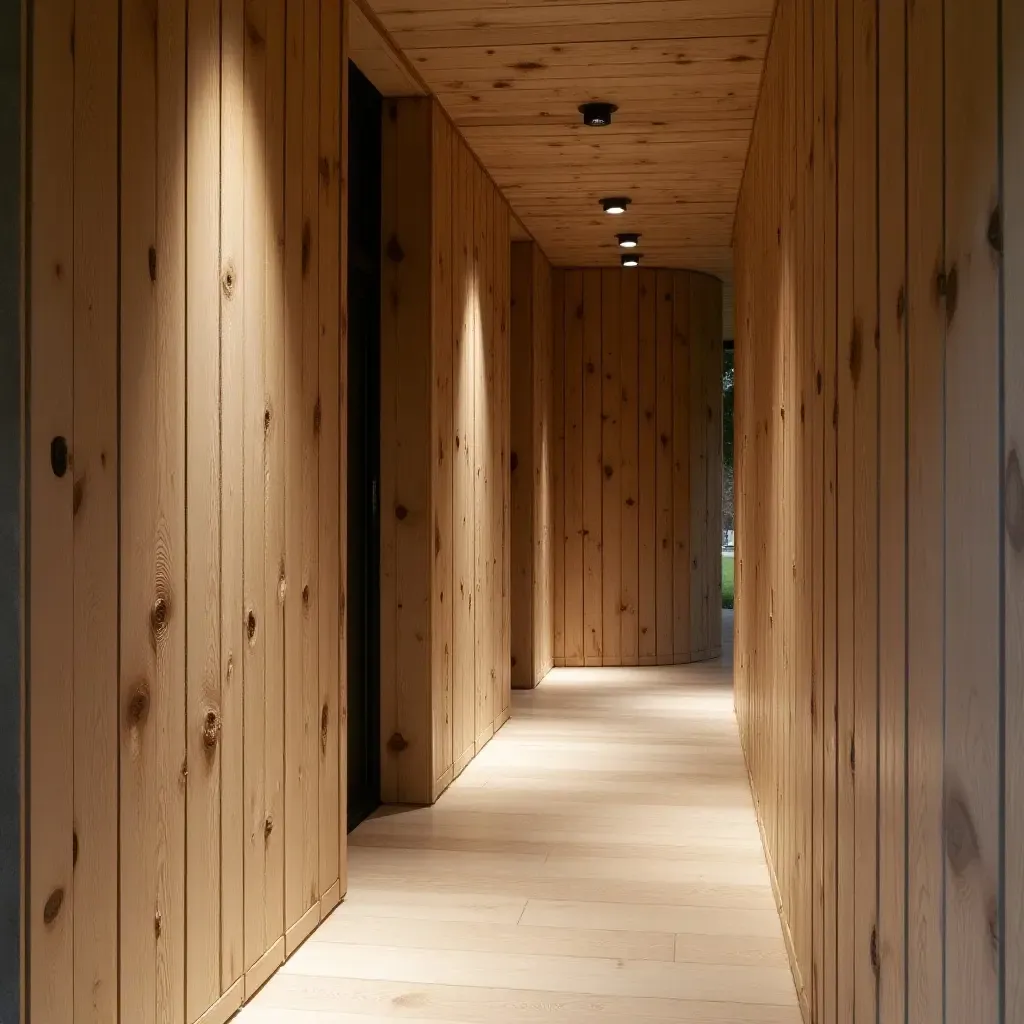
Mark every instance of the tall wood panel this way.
pixel 899 349
pixel 445 477
pixel 531 425
pixel 640 354
pixel 181 290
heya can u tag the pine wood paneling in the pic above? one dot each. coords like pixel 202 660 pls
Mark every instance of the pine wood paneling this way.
pixel 898 226
pixel 181 284
pixel 203 543
pixel 559 538
pixel 640 326
pixel 532 427
pixel 1012 38
pixel 445 486
pixel 50 761
pixel 512 77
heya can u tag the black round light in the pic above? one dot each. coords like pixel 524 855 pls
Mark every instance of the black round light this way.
pixel 615 204
pixel 597 115
pixel 628 240
pixel 631 259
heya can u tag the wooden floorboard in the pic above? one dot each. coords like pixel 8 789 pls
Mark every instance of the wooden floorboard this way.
pixel 598 862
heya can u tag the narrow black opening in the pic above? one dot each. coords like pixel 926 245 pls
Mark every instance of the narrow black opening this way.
pixel 363 447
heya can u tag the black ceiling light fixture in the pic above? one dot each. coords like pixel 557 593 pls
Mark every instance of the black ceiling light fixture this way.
pixel 631 259
pixel 615 204
pixel 628 240
pixel 597 115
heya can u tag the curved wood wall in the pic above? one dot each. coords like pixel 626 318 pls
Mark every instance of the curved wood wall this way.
pixel 638 484
pixel 880 509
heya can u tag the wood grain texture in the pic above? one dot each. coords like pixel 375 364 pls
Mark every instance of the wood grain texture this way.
pixel 899 744
pixel 1012 35
pixel 94 510
pixel 173 285
pixel 639 483
pixel 524 68
pixel 561 924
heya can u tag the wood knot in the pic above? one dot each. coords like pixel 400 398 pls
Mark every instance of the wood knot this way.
pixel 74 848
pixel 317 416
pixel 1014 501
pixel 608 472
pixel 250 626
pixel 138 705
pixel 324 719
pixel 305 595
pixel 630 502
pixel 951 293
pixel 268 826
pixel 227 281
pixel 514 662
pixel 211 729
pixel 397 743
pixel 152 264
pixel 52 906
pixel 994 233
pixel 590 367
pixel 514 462
pixel 875 959
pixel 961 836
pixel 77 495
pixel 59 456
pixel 401 512
pixel 817 382
pixel 325 170
pixel 306 243
pixel 159 615
pixel 856 352
pixel 394 250
pixel 282 584
pixel 664 440
pixel 266 421
pixel 158 924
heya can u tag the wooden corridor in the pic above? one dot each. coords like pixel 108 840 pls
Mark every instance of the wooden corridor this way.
pixel 598 862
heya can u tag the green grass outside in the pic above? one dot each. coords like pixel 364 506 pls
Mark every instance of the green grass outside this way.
pixel 727 581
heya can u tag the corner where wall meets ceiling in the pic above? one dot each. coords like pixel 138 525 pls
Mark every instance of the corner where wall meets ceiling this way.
pixel 684 75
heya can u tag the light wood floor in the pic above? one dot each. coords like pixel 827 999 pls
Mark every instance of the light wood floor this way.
pixel 598 862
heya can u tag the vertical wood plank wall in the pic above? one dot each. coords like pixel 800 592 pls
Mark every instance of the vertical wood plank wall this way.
pixel 533 453
pixel 186 341
pixel 879 498
pixel 637 467
pixel 445 477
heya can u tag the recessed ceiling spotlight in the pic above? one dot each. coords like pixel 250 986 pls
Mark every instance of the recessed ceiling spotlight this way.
pixel 628 240
pixel 616 204
pixel 597 115
pixel 631 260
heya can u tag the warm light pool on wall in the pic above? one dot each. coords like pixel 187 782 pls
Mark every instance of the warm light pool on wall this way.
pixel 631 259
pixel 597 115
pixel 628 240
pixel 615 204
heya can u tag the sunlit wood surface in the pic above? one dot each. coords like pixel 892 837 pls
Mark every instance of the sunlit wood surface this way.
pixel 599 861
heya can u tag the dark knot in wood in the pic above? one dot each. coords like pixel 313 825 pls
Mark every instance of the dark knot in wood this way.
pixel 59 456
pixel 952 292
pixel 961 836
pixel 324 719
pixel 77 494
pixel 995 230
pixel 52 906
pixel 397 743
pixel 227 282
pixel 138 705
pixel 401 512
pixel 306 243
pixel 159 615
pixel 158 923
pixel 74 848
pixel 608 472
pixel 817 382
pixel 1014 501
pixel 152 264
pixel 211 729
pixel 325 170
pixel 514 461
pixel 266 421
pixel 250 626
pixel 305 595
pixel 268 826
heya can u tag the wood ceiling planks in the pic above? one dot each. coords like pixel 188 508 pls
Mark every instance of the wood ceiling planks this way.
pixel 684 73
